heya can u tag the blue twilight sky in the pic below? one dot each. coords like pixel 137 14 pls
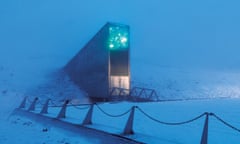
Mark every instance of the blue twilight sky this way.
pixel 192 33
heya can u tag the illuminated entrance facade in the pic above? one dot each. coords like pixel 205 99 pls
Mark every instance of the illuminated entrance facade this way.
pixel 118 43
pixel 104 62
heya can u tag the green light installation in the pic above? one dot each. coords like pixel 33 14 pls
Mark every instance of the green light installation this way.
pixel 118 38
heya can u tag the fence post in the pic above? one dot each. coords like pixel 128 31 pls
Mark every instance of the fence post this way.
pixel 32 106
pixel 88 118
pixel 204 139
pixel 62 113
pixel 45 107
pixel 23 103
pixel 129 125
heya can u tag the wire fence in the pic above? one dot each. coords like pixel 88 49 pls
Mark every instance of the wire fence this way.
pixel 79 107
pixel 170 123
pixel 112 115
pixel 54 104
pixel 226 123
pixel 66 104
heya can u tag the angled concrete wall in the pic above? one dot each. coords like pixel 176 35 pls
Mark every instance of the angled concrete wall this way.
pixel 91 67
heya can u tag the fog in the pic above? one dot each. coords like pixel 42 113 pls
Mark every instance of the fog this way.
pixel 166 33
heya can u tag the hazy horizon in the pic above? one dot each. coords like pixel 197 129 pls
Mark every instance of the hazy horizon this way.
pixel 166 33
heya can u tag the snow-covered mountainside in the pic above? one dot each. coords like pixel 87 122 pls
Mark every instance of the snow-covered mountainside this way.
pixel 42 76
pixel 182 49
pixel 22 129
pixel 185 83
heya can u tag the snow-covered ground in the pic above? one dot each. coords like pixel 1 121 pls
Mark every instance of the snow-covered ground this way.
pixel 22 130
pixel 170 83
pixel 41 76
pixel 37 38
pixel 28 74
pixel 180 83
pixel 145 129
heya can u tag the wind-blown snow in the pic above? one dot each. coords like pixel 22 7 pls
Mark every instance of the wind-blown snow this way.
pixel 183 49
pixel 184 83
pixel 152 132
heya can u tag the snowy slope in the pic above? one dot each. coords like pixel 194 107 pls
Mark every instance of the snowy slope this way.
pixel 170 83
pixel 184 83
pixel 149 131
pixel 37 38
pixel 40 75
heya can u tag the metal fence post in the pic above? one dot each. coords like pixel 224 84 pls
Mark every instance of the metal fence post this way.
pixel 88 118
pixel 204 139
pixel 23 103
pixel 62 113
pixel 32 106
pixel 129 125
pixel 45 107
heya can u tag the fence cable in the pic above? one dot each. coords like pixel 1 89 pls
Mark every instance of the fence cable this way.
pixel 77 106
pixel 111 115
pixel 144 113
pixel 31 101
pixel 54 104
pixel 39 102
pixel 226 123
pixel 170 123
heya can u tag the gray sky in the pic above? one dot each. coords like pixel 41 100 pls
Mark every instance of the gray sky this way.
pixel 200 33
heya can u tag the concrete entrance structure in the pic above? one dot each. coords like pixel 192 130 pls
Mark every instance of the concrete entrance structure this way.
pixel 103 63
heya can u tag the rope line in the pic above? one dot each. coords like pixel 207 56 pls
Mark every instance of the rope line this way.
pixel 77 106
pixel 170 123
pixel 143 112
pixel 54 104
pixel 226 123
pixel 31 101
pixel 41 103
pixel 111 115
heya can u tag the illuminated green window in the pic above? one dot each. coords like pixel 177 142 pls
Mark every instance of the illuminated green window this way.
pixel 118 38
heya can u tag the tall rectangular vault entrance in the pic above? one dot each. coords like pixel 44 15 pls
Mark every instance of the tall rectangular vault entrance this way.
pixel 103 63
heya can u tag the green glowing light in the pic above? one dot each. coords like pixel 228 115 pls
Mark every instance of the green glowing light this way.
pixel 111 46
pixel 118 38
